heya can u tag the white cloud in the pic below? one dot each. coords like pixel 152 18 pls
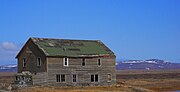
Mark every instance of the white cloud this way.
pixel 9 46
pixel 8 51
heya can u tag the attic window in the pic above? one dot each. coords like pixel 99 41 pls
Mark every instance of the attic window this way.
pixel 65 60
pixel 24 62
pixel 38 62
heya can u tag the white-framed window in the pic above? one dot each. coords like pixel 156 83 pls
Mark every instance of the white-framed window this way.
pixel 38 61
pixel 24 62
pixel 99 61
pixel 83 62
pixel 74 78
pixel 109 77
pixel 94 78
pixel 60 78
pixel 66 61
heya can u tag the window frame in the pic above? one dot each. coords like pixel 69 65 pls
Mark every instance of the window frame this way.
pixel 66 60
pixel 39 61
pixel 109 77
pixel 63 78
pixel 74 78
pixel 99 62
pixel 23 62
pixel 94 78
pixel 60 78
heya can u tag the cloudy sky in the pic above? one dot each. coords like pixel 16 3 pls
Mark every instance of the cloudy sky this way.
pixel 133 29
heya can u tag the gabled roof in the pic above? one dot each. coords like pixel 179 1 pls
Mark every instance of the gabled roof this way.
pixel 71 48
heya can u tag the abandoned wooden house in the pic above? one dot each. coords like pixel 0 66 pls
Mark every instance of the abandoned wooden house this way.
pixel 46 61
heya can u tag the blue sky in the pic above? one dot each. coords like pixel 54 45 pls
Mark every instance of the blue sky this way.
pixel 133 29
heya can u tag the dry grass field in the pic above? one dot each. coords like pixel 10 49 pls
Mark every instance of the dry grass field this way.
pixel 157 80
pixel 127 81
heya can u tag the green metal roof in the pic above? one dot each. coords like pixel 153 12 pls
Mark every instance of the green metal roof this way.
pixel 73 48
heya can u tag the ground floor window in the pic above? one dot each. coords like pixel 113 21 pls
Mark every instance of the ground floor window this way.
pixel 74 78
pixel 94 78
pixel 17 78
pixel 109 77
pixel 60 78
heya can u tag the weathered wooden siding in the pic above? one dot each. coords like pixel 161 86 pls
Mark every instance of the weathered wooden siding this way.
pixel 32 62
pixel 40 78
pixel 55 66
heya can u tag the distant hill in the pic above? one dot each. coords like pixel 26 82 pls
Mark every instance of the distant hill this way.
pixel 8 68
pixel 121 65
pixel 146 64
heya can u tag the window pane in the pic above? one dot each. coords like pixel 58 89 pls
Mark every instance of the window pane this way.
pixel 57 78
pixel 65 63
pixel 65 60
pixel 83 62
pixel 63 78
pixel 74 78
pixel 96 78
pixel 24 62
pixel 99 62
pixel 39 62
pixel 92 78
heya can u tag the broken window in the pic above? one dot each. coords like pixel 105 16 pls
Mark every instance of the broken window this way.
pixel 65 61
pixel 83 62
pixel 24 62
pixel 74 78
pixel 94 78
pixel 38 61
pixel 17 78
pixel 58 78
pixel 62 78
pixel 99 62
pixel 109 77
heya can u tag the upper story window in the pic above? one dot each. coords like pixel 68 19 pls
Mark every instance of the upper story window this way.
pixel 99 61
pixel 65 61
pixel 83 62
pixel 24 62
pixel 38 61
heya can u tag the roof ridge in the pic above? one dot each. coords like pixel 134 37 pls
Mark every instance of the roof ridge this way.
pixel 63 39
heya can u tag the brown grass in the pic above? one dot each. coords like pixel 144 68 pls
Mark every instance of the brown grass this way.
pixel 157 80
pixel 127 81
pixel 85 89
